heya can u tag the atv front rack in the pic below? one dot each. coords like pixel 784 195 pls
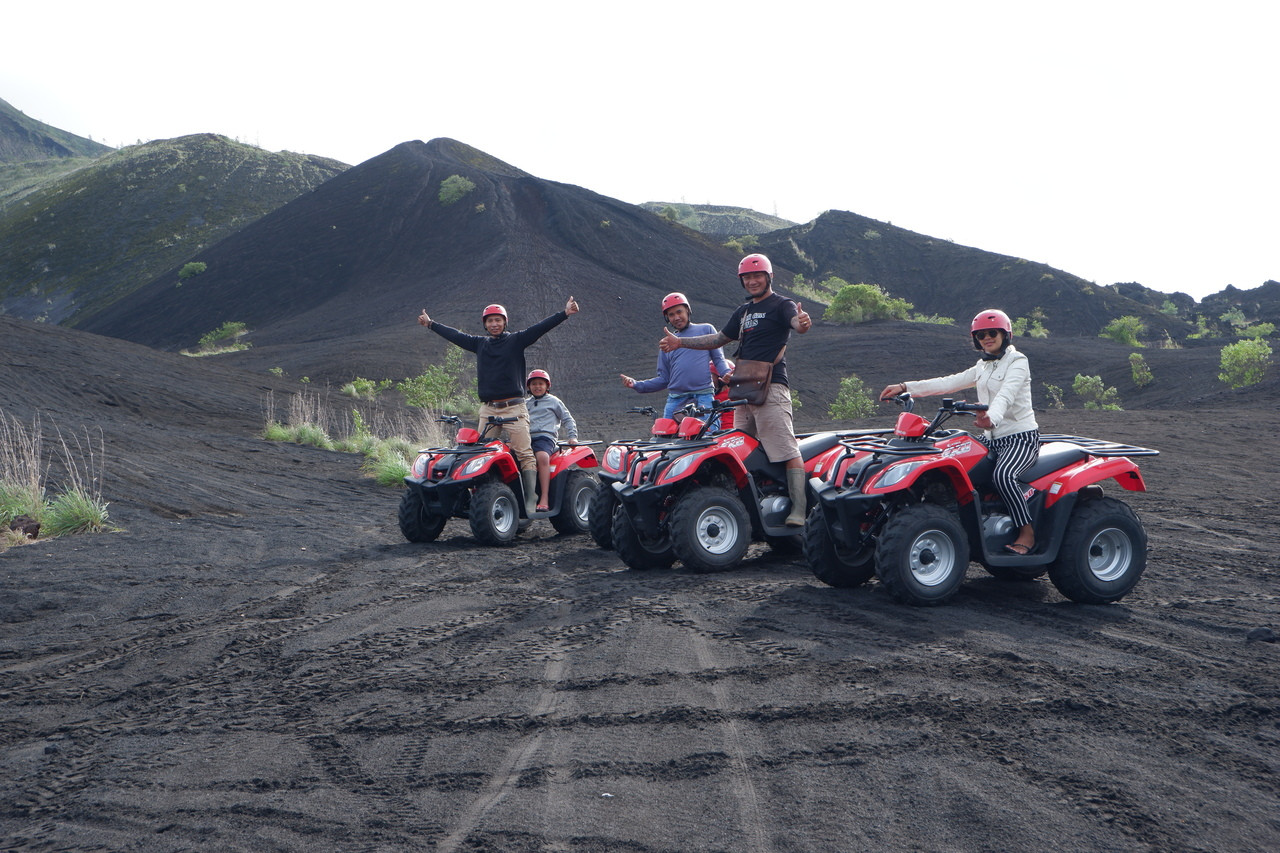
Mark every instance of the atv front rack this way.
pixel 1100 447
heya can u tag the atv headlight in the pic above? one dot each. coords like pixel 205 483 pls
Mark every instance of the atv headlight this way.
pixel 475 465
pixel 613 458
pixel 421 465
pixel 896 474
pixel 678 467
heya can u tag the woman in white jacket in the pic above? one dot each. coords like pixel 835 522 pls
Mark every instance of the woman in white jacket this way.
pixel 1003 379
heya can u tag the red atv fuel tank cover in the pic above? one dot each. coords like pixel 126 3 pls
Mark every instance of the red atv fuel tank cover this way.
pixel 910 425
pixel 467 435
pixel 690 427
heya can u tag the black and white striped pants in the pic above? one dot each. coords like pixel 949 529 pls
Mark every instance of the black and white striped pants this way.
pixel 1014 455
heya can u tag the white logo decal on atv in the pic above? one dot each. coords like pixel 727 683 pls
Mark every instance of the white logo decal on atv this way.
pixel 735 441
pixel 958 449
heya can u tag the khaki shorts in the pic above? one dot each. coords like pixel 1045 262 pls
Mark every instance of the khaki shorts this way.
pixel 771 423
pixel 517 433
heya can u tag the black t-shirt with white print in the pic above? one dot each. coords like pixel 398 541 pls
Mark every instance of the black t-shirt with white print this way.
pixel 762 329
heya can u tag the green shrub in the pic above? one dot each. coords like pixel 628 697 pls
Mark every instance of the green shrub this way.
pixel 440 386
pixel 853 400
pixel 1141 370
pixel 365 389
pixel 1054 393
pixel 74 511
pixel 223 339
pixel 453 188
pixel 1124 330
pixel 933 319
pixel 860 303
pixel 1257 331
pixel 191 270
pixel 1095 395
pixel 1030 327
pixel 1245 363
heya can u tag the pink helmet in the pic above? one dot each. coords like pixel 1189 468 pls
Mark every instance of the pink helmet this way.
pixel 493 309
pixel 755 263
pixel 538 374
pixel 671 300
pixel 991 318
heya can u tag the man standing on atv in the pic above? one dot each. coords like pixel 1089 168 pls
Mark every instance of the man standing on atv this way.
pixel 685 376
pixel 763 326
pixel 500 378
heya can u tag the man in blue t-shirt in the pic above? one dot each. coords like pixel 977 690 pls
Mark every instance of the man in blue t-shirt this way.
pixel 763 326
pixel 684 374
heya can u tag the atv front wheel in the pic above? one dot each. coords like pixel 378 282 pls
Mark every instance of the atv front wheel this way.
pixel 416 523
pixel 641 553
pixel 922 554
pixel 603 502
pixel 1103 554
pixel 575 504
pixel 710 529
pixel 834 563
pixel 495 515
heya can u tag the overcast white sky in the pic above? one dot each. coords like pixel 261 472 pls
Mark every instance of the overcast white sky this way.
pixel 1119 141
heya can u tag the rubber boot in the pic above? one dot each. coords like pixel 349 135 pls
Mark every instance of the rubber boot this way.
pixel 529 479
pixel 795 486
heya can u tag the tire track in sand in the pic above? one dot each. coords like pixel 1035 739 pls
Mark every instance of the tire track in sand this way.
pixel 519 758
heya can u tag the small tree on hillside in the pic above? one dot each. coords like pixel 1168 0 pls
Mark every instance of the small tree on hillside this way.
pixel 853 400
pixel 1141 370
pixel 1095 394
pixel 453 188
pixel 859 303
pixel 1124 330
pixel 1245 363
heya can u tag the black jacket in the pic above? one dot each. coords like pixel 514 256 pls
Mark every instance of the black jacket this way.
pixel 500 366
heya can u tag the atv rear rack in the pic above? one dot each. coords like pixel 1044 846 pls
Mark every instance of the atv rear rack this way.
pixel 1100 447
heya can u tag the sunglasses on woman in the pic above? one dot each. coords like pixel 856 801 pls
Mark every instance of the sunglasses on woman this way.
pixel 986 333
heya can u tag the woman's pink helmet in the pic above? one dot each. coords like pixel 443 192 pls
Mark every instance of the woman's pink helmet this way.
pixel 991 318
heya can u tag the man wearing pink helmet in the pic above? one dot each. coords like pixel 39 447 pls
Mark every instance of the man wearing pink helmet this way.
pixel 500 379
pixel 1002 377
pixel 763 325
pixel 685 375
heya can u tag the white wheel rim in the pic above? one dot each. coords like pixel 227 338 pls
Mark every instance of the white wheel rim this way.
pixel 1110 554
pixel 582 504
pixel 932 558
pixel 717 530
pixel 504 515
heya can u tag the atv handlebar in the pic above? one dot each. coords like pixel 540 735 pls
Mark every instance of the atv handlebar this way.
pixel 650 411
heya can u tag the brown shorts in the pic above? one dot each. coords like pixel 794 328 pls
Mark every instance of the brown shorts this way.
pixel 771 423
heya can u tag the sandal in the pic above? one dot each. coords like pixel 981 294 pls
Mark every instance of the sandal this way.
pixel 1017 548
pixel 543 508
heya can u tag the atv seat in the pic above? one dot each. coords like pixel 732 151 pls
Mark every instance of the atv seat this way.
pixel 812 445
pixel 1054 455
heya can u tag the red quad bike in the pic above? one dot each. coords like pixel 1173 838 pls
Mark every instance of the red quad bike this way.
pixel 613 468
pixel 704 496
pixel 480 481
pixel 913 509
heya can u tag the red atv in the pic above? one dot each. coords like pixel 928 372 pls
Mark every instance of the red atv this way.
pixel 480 481
pixel 613 468
pixel 704 496
pixel 913 508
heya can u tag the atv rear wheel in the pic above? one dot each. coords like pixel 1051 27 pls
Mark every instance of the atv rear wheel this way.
pixel 575 503
pixel 495 515
pixel 639 552
pixel 833 562
pixel 1103 554
pixel 600 516
pixel 922 554
pixel 416 523
pixel 710 529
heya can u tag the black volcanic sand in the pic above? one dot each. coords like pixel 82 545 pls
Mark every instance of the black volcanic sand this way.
pixel 259 661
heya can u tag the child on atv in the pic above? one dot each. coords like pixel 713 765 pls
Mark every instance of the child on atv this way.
pixel 546 413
